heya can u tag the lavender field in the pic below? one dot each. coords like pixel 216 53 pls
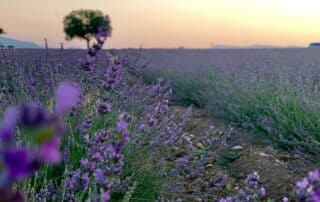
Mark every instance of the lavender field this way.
pixel 69 134
pixel 273 92
pixel 159 125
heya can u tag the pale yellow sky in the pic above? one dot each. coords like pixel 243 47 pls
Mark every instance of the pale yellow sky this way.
pixel 172 23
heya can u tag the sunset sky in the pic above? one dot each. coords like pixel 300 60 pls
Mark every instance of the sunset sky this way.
pixel 171 23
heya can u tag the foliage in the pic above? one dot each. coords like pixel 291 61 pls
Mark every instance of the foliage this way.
pixel 84 24
pixel 227 158
pixel 2 31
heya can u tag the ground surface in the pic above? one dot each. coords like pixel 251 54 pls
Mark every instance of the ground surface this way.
pixel 235 155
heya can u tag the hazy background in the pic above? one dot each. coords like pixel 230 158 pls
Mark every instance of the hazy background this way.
pixel 171 23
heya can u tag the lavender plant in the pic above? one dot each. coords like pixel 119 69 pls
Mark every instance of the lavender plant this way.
pixel 308 188
pixel 44 129
pixel 101 167
pixel 251 191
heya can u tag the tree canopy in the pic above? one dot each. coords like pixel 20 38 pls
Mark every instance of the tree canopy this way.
pixel 2 31
pixel 83 24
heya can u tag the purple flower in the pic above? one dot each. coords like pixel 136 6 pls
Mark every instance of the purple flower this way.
pixel 125 138
pixel 253 180
pixel 315 196
pixel 125 117
pixel 88 63
pixel 303 183
pixel 84 162
pixel 262 192
pixel 98 46
pixel 141 127
pixel 106 196
pixel 92 52
pixel 85 179
pixel 107 18
pixel 100 38
pixel 115 148
pixel 103 107
pixel 32 115
pixel 86 138
pixel 152 122
pixel 49 151
pixel 97 156
pixel 67 97
pixel 285 199
pixel 92 166
pixel 8 124
pixel 100 176
pixel 228 199
pixel 314 176
pixel 18 163
pixel 122 126
pixel 182 162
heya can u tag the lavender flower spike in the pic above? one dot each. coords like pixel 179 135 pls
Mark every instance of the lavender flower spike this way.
pixel 18 163
pixel 8 124
pixel 303 183
pixel 49 151
pixel 67 97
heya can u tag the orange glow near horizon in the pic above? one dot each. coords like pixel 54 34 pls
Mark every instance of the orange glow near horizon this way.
pixel 171 23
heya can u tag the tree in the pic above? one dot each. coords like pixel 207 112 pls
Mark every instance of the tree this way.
pixel 83 24
pixel 2 31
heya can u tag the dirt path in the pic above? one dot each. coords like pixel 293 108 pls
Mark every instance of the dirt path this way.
pixel 219 168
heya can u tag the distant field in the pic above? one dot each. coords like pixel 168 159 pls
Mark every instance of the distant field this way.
pixel 272 92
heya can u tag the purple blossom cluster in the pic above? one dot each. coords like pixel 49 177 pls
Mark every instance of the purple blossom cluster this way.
pixel 308 189
pixel 112 76
pixel 44 129
pixel 103 106
pixel 251 191
pixel 102 166
pixel 156 122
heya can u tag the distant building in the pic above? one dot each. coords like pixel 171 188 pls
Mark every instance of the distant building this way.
pixel 314 45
